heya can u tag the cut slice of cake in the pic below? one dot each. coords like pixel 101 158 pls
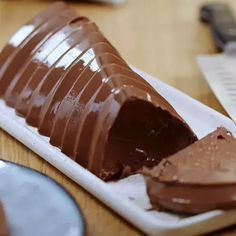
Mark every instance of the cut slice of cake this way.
pixel 199 178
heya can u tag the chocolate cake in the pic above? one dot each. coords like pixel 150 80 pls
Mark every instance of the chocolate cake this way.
pixel 4 231
pixel 200 178
pixel 61 74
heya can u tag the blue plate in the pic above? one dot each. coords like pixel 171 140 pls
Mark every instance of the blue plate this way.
pixel 36 205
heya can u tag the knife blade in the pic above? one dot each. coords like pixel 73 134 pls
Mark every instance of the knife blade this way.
pixel 219 70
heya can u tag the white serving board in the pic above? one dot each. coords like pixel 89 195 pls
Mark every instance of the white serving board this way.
pixel 128 196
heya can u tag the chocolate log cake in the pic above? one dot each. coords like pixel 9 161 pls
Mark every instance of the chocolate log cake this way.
pixel 64 77
pixel 200 178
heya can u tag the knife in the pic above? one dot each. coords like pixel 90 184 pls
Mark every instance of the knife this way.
pixel 219 70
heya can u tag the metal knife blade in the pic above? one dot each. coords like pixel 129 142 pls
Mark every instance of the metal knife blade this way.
pixel 219 70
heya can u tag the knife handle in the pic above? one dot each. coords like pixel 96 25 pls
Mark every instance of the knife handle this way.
pixel 221 21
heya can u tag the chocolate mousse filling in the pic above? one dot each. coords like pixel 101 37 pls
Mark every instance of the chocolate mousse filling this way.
pixel 142 135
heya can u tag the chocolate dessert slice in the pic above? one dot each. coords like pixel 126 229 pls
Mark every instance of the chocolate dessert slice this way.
pixel 66 79
pixel 4 230
pixel 199 178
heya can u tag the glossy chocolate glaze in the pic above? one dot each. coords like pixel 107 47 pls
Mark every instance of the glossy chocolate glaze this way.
pixel 52 62
pixel 22 53
pixel 66 105
pixel 25 32
pixel 53 46
pixel 62 119
pixel 32 116
pixel 4 230
pixel 43 69
pixel 83 99
pixel 200 178
pixel 67 80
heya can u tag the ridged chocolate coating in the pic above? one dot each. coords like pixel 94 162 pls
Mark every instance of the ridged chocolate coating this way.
pixel 23 35
pixel 31 44
pixel 48 53
pixel 67 80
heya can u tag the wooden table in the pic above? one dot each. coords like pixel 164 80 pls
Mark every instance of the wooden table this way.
pixel 161 37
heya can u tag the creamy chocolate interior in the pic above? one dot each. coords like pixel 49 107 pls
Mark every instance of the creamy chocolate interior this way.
pixel 142 138
pixel 199 178
pixel 66 79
